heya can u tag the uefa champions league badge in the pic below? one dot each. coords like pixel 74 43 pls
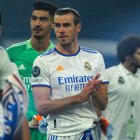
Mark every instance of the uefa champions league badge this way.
pixel 87 66
pixel 36 71
pixel 121 80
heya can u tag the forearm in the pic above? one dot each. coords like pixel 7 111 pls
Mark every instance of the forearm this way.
pixel 52 106
pixel 46 105
pixel 56 105
pixel 25 130
pixel 100 101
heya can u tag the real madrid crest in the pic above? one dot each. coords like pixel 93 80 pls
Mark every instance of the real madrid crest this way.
pixel 121 80
pixel 87 66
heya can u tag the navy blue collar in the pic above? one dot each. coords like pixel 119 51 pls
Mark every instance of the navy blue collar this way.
pixel 68 54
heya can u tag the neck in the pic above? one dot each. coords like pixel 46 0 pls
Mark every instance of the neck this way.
pixel 68 49
pixel 40 45
pixel 130 67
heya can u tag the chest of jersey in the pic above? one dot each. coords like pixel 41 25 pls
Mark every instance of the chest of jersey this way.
pixel 68 75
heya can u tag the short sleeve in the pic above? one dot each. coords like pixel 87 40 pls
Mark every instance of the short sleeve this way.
pixel 40 73
pixel 101 69
pixel 6 67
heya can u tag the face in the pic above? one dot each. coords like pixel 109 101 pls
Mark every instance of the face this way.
pixel 41 23
pixel 65 30
pixel 136 58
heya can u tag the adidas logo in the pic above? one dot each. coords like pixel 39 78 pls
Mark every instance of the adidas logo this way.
pixel 59 68
pixel 21 67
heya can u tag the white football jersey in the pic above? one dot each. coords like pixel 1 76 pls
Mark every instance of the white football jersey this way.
pixel 66 75
pixel 124 87
pixel 6 68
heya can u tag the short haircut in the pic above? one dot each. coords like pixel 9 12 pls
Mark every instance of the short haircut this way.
pixel 46 6
pixel 67 10
pixel 0 18
pixel 128 46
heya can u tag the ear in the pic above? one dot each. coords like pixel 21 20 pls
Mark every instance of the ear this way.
pixel 78 27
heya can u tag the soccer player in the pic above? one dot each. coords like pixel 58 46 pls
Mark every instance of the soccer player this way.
pixel 23 54
pixel 13 100
pixel 68 82
pixel 124 90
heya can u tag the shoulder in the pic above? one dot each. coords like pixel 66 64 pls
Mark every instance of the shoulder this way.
pixel 92 54
pixel 44 55
pixel 47 53
pixel 17 46
pixel 88 50
pixel 112 70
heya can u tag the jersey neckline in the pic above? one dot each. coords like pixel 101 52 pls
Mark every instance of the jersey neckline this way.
pixel 68 55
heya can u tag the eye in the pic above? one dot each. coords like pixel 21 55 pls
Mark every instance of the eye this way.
pixel 43 19
pixel 33 18
pixel 57 25
pixel 66 25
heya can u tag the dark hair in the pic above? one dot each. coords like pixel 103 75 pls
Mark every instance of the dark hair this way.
pixel 0 18
pixel 128 46
pixel 46 6
pixel 63 11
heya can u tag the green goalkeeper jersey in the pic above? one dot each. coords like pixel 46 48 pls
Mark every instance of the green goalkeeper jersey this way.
pixel 23 55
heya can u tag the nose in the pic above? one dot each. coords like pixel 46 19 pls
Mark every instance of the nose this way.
pixel 61 30
pixel 62 33
pixel 37 22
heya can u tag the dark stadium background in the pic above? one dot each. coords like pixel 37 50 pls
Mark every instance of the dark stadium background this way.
pixel 104 22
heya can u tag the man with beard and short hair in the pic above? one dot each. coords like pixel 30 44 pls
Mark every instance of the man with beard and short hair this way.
pixel 124 90
pixel 23 54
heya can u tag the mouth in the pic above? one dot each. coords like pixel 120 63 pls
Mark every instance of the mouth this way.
pixel 63 37
pixel 37 30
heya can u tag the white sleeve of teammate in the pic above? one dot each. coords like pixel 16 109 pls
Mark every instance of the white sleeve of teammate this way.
pixel 40 73
pixel 6 67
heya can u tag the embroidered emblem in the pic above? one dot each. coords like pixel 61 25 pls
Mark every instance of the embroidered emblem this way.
pixel 121 80
pixel 87 66
pixel 36 71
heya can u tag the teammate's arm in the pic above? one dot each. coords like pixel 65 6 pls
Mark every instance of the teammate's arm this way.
pixel 25 130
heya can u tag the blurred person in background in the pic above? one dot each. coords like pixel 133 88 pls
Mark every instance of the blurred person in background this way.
pixel 13 100
pixel 124 90
pixel 23 54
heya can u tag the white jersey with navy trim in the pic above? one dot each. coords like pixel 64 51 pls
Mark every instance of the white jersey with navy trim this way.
pixel 66 75
pixel 6 68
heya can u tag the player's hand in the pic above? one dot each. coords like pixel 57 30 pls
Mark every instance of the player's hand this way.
pixel 96 84
pixel 90 88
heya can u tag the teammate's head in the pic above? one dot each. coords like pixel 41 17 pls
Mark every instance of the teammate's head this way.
pixel 42 19
pixel 67 10
pixel 45 6
pixel 128 48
